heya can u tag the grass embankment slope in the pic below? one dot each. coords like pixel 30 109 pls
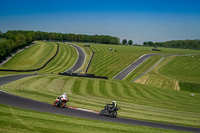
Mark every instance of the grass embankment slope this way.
pixel 24 121
pixel 109 63
pixel 64 60
pixel 32 58
pixel 186 70
pixel 36 56
pixel 176 72
pixel 137 101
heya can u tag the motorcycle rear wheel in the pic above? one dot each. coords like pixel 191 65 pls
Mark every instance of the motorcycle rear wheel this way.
pixel 54 104
pixel 101 113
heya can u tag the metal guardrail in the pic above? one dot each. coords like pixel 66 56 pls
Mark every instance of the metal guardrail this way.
pixel 89 63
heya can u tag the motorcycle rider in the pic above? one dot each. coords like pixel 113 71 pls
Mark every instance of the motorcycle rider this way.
pixel 114 105
pixel 63 97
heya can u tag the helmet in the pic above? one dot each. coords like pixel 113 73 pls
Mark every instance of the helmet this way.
pixel 64 94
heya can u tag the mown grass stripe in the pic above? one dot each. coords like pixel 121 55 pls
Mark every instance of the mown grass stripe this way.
pixel 96 88
pixel 76 87
pixel 90 87
pixel 65 59
pixel 143 105
pixel 127 92
pixel 102 88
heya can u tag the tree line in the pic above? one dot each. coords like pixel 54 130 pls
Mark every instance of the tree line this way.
pixel 18 38
pixel 124 41
pixel 190 44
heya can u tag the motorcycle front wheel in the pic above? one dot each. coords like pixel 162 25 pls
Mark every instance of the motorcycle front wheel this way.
pixel 113 114
pixel 62 105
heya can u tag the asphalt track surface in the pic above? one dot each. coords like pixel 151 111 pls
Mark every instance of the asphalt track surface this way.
pixel 132 67
pixel 17 101
pixel 121 75
pixel 81 59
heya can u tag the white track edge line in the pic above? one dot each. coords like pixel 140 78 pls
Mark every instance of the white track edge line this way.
pixel 128 66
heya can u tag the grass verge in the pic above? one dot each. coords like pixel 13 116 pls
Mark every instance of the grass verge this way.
pixel 65 59
pixel 32 58
pixel 20 120
pixel 136 101
pixel 190 87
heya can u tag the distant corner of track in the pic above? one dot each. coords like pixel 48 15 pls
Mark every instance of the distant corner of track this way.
pixel 126 71
pixel 80 60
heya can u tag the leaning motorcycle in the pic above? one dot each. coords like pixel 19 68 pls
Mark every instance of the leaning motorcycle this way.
pixel 109 111
pixel 60 103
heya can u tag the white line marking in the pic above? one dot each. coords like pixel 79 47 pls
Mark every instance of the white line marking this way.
pixel 128 66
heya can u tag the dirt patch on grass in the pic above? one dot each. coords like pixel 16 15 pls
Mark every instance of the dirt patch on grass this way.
pixel 143 79
pixel 177 86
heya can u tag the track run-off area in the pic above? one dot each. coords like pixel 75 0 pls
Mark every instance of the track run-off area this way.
pixel 13 100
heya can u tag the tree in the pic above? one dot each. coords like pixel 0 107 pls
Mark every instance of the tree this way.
pixel 130 42
pixel 1 34
pixel 124 41
pixel 9 35
pixel 30 36
pixel 113 41
pixel 52 36
pixel 145 43
pixel 150 43
pixel 20 39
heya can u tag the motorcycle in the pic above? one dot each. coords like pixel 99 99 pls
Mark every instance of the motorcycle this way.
pixel 60 103
pixel 109 111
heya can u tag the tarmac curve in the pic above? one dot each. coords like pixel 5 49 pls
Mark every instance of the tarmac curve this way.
pixel 81 59
pixel 17 101
pixel 121 75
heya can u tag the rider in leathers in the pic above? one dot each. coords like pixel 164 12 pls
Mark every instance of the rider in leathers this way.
pixel 63 97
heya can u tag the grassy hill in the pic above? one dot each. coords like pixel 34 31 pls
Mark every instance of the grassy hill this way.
pixel 186 70
pixel 153 97
pixel 65 59
pixel 20 120
pixel 109 63
pixel 136 101
pixel 183 68
pixel 32 58
pixel 177 72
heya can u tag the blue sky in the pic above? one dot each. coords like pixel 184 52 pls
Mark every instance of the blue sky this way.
pixel 138 20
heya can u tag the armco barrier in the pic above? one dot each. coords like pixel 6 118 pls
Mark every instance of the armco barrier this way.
pixel 34 69
pixel 83 75
pixel 89 62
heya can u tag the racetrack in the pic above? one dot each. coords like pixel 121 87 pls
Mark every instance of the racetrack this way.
pixel 12 100
pixel 81 59
pixel 132 67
